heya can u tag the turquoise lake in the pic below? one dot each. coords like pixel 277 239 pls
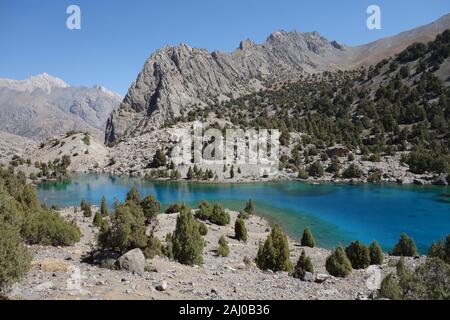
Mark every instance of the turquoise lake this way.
pixel 336 213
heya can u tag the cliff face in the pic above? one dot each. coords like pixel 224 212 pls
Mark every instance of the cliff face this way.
pixel 176 79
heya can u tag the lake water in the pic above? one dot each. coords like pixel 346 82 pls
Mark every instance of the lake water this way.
pixel 336 213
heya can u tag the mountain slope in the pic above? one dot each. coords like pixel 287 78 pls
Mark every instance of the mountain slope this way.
pixel 44 106
pixel 12 145
pixel 175 80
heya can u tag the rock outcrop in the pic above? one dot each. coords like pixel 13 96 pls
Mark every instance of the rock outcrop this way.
pixel 175 80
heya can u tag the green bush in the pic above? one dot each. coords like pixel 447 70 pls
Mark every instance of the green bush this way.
pixel 303 265
pixel 86 139
pixel 86 208
pixel 421 161
pixel 335 165
pixel 219 216
pixel 204 211
pixel 337 263
pixel 358 254
pixel 390 288
pixel 153 247
pixel 187 241
pixel 133 196
pixel 203 229
pixel 167 250
pixel 150 206
pixel 274 254
pixel 127 229
pixel 243 215
pixel 240 230
pixel 307 239
pixel 98 220
pixel 104 208
pixel 174 208
pixel 223 249
pixel 48 228
pixel 376 254
pixel 429 281
pixel 405 247
pixel 440 249
pixel 375 176
pixel 249 207
pixel 302 174
pixel 159 159
pixel 15 259
pixel 353 171
pixel 316 169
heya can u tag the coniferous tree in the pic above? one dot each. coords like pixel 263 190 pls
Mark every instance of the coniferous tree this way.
pixel 274 253
pixel 190 174
pixel 98 220
pixel 358 254
pixel 187 241
pixel 307 239
pixel 240 230
pixel 219 216
pixel 133 196
pixel 15 259
pixel 249 207
pixel 376 254
pixel 104 208
pixel 224 249
pixel 337 263
pixel 390 288
pixel 405 247
pixel 303 265
pixel 159 159
pixel 150 207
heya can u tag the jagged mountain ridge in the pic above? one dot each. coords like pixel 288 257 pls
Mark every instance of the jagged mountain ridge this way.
pixel 44 106
pixel 175 79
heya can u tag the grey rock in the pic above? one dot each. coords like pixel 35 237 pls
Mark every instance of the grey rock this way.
pixel 373 295
pixel 44 286
pixel 133 261
pixel 162 286
pixel 441 180
pixel 309 277
pixel 321 277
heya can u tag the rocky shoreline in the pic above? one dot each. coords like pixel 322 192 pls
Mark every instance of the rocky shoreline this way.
pixel 60 273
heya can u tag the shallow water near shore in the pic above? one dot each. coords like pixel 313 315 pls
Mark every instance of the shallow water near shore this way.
pixel 336 213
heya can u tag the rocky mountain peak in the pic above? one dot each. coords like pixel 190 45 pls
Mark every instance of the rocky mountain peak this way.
pixel 42 81
pixel 246 44
pixel 174 80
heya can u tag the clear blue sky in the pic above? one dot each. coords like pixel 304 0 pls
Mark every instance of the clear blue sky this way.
pixel 117 36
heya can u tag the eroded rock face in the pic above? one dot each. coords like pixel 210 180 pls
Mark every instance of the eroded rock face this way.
pixel 175 79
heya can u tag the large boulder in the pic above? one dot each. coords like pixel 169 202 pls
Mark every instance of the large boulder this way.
pixel 441 180
pixel 133 261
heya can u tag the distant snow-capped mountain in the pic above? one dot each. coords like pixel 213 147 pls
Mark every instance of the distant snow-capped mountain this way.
pixel 43 106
